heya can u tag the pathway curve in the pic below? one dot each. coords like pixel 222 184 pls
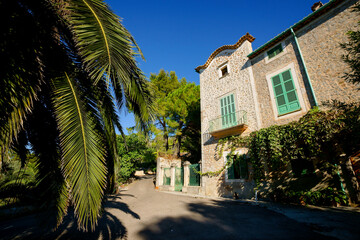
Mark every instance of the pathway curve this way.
pixel 140 212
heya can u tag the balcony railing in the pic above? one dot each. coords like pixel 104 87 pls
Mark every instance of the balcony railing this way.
pixel 228 121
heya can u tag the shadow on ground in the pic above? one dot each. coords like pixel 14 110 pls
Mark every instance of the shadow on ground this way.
pixel 228 220
pixel 38 226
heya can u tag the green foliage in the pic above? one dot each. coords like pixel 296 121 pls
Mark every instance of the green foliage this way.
pixel 183 105
pixel 83 156
pixel 178 115
pixel 192 133
pixel 17 182
pixel 328 197
pixel 318 138
pixel 352 56
pixel 68 62
pixel 317 135
pixel 215 173
pixel 133 155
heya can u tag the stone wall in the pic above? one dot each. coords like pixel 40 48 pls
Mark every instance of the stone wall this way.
pixel 163 162
pixel 250 82
pixel 320 45
pixel 212 89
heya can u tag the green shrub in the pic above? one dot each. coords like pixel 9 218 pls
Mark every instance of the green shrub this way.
pixel 325 197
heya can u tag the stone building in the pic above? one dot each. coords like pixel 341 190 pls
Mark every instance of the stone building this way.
pixel 244 90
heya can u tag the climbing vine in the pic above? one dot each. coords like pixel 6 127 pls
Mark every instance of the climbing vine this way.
pixel 317 135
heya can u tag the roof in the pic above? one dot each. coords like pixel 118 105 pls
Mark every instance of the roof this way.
pixel 311 17
pixel 247 36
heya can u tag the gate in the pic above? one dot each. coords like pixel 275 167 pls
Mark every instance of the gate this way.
pixel 167 176
pixel 179 178
pixel 194 175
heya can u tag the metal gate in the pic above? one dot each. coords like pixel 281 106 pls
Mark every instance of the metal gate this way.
pixel 194 175
pixel 179 178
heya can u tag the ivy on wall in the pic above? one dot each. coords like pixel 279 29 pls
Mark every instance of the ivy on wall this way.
pixel 319 135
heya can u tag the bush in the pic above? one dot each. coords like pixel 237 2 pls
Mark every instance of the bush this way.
pixel 133 155
pixel 325 197
pixel 316 142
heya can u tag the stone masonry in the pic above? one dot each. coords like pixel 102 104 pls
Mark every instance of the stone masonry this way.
pixel 320 45
pixel 249 80
pixel 212 88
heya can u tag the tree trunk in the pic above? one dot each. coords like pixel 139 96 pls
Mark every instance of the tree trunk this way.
pixel 166 140
pixel 166 136
pixel 177 146
pixel 350 177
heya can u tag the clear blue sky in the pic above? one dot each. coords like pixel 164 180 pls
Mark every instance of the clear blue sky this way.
pixel 180 35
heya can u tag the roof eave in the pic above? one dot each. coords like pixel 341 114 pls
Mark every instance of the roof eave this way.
pixel 247 36
pixel 296 26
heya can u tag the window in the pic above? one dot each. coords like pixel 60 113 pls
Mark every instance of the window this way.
pixel 274 51
pixel 285 93
pixel 228 116
pixel 238 169
pixel 224 71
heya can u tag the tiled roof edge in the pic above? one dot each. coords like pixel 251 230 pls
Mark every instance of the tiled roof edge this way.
pixel 247 36
pixel 326 7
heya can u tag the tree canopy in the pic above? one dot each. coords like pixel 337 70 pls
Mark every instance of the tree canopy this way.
pixel 135 152
pixel 178 112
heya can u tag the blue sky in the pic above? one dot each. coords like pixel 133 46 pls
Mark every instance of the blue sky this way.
pixel 180 35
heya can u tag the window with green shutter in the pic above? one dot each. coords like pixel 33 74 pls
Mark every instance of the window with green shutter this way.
pixel 228 116
pixel 239 168
pixel 274 51
pixel 285 93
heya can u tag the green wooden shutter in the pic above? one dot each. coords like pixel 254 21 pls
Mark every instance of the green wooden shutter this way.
pixel 285 93
pixel 230 169
pixel 228 115
pixel 274 51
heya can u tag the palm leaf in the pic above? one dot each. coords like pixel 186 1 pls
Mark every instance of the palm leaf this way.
pixel 12 123
pixel 83 155
pixel 62 202
pixel 109 119
pixel 104 44
pixel 140 101
pixel 107 50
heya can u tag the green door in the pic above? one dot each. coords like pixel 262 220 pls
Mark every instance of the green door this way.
pixel 179 178
pixel 228 116
pixel 194 175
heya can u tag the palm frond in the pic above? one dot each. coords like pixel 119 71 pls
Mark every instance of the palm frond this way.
pixel 83 155
pixel 62 202
pixel 104 44
pixel 140 101
pixel 109 119
pixel 107 49
pixel 12 123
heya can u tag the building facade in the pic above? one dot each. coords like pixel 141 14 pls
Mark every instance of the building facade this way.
pixel 244 90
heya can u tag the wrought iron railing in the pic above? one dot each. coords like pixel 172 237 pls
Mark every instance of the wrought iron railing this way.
pixel 228 121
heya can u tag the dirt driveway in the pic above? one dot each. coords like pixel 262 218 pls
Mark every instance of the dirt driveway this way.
pixel 143 213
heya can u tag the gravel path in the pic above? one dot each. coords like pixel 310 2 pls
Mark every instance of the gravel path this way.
pixel 140 212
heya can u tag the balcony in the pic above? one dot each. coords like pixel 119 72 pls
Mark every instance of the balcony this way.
pixel 228 125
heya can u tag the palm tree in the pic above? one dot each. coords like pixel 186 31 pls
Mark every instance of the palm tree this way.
pixel 66 66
